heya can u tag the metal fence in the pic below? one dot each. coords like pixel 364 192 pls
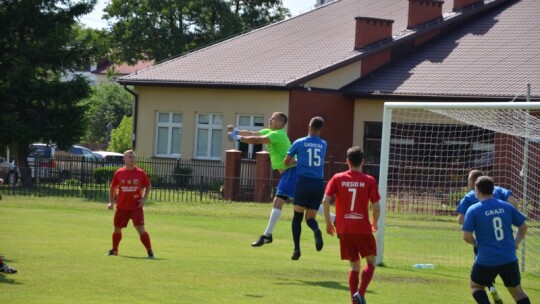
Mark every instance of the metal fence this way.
pixel 172 179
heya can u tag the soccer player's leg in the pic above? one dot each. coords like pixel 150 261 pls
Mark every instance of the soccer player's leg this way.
pixel 512 280
pixel 138 223
pixel 296 226
pixel 367 249
pixel 481 276
pixel 121 219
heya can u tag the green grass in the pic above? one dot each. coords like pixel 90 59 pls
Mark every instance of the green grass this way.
pixel 203 256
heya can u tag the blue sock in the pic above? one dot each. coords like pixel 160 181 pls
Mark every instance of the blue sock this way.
pixel 312 223
pixel 481 297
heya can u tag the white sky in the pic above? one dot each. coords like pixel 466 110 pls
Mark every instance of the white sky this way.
pixel 94 20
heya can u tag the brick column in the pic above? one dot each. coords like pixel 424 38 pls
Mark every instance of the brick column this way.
pixel 232 174
pixel 263 169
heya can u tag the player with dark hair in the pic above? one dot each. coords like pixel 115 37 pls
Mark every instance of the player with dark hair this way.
pixel 491 221
pixel 133 187
pixel 278 144
pixel 470 199
pixel 309 152
pixel 353 190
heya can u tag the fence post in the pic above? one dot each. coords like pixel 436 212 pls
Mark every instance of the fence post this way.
pixel 232 174
pixel 263 169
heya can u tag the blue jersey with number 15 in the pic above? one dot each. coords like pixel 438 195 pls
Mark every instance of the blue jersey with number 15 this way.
pixel 309 152
pixel 491 221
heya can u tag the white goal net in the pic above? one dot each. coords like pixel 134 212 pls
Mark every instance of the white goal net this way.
pixel 427 151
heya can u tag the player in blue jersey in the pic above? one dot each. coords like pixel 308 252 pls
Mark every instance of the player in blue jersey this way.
pixel 309 152
pixel 491 222
pixel 470 199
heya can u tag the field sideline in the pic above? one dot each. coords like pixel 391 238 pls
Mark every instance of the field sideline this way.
pixel 203 255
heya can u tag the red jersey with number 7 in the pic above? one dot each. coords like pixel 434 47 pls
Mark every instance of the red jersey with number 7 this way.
pixel 130 184
pixel 353 190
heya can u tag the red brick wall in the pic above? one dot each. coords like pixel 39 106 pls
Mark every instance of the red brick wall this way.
pixel 459 4
pixel 370 30
pixel 372 62
pixel 422 11
pixel 338 112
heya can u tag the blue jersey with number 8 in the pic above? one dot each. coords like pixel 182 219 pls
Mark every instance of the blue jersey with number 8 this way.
pixel 491 221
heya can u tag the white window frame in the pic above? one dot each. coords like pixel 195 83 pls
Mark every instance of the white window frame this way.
pixel 211 126
pixel 170 125
pixel 250 127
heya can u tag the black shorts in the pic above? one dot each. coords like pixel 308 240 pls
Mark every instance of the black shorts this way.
pixel 485 275
pixel 309 192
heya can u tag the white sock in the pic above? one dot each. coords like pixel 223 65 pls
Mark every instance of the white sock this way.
pixel 321 213
pixel 272 221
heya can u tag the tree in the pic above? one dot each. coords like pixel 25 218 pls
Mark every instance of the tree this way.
pixel 108 104
pixel 149 29
pixel 40 100
pixel 121 136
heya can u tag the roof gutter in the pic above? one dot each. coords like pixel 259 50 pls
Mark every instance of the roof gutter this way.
pixel 135 116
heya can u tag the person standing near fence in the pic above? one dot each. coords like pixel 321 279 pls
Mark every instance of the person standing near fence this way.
pixel 130 186
pixel 470 199
pixel 278 144
pixel 491 221
pixel 309 152
pixel 353 190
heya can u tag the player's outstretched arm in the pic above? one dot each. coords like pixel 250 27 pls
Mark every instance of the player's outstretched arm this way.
pixel 376 214
pixel 513 201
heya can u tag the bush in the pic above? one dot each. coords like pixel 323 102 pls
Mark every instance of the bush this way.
pixel 182 176
pixel 104 174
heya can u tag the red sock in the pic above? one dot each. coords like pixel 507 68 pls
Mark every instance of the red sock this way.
pixel 353 281
pixel 145 239
pixel 116 237
pixel 367 275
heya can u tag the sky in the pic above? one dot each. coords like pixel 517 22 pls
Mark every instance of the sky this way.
pixel 93 20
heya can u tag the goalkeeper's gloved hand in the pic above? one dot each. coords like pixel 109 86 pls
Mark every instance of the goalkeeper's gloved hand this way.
pixel 233 135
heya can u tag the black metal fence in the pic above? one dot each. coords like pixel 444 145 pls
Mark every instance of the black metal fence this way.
pixel 172 179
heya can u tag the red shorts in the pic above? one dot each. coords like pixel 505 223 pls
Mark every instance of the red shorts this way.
pixel 354 246
pixel 122 217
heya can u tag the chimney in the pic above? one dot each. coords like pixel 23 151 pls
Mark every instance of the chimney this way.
pixel 461 4
pixel 371 30
pixel 422 11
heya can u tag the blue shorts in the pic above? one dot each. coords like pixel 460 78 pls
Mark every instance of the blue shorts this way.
pixel 309 192
pixel 287 183
pixel 485 275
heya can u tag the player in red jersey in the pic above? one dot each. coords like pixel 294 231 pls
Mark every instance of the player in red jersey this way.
pixel 353 190
pixel 131 186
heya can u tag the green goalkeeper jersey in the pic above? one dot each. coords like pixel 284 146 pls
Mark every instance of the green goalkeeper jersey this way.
pixel 278 147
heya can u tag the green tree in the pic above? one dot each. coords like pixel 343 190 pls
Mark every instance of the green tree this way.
pixel 121 136
pixel 109 103
pixel 149 29
pixel 41 100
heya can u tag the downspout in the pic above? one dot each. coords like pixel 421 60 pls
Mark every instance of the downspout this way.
pixel 135 114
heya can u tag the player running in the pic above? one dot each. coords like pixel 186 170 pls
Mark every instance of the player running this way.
pixel 353 190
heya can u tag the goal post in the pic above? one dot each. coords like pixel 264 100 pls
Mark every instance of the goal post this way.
pixel 427 150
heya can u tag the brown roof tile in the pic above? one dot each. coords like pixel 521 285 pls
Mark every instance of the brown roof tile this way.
pixel 493 56
pixel 281 53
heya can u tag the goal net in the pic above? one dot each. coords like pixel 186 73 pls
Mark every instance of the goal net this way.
pixel 427 151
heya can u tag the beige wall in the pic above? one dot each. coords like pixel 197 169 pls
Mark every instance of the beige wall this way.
pixel 365 111
pixel 337 79
pixel 190 101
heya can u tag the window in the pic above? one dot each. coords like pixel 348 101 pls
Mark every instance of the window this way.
pixel 250 123
pixel 208 137
pixel 168 134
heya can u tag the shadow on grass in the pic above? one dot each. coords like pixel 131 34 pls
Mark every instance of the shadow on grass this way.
pixel 8 279
pixel 325 284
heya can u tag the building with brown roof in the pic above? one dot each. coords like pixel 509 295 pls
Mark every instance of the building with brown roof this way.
pixel 341 61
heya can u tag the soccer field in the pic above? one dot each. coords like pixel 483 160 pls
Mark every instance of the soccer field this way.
pixel 203 255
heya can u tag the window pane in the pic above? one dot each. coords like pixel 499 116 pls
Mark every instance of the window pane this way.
pixel 259 121
pixel 162 140
pixel 218 120
pixel 244 121
pixel 163 117
pixel 216 143
pixel 204 119
pixel 176 139
pixel 202 142
pixel 177 118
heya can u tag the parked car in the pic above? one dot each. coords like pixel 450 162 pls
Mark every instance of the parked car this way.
pixel 9 172
pixel 110 158
pixel 48 162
